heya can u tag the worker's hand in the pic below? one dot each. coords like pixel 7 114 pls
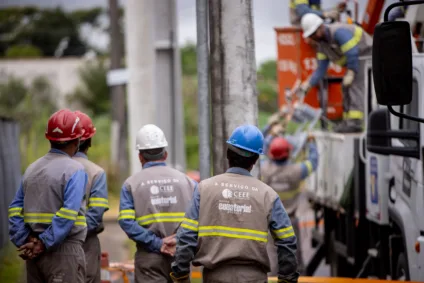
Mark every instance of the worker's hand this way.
pixel 33 248
pixel 181 278
pixel 332 14
pixel 169 245
pixel 276 130
pixel 311 137
pixel 348 78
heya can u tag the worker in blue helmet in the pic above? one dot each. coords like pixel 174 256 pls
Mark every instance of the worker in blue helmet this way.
pixel 225 228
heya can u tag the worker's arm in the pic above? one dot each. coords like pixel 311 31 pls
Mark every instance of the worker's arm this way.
pixel 187 238
pixel 128 223
pixel 302 7
pixel 285 240
pixel 321 70
pixel 348 42
pixel 18 231
pixel 65 218
pixel 311 164
pixel 97 203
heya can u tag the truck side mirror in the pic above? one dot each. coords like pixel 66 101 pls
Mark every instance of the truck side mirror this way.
pixel 392 63
pixel 380 135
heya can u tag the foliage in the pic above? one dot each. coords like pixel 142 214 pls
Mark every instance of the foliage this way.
pixel 93 93
pixel 23 51
pixel 189 59
pixel 11 265
pixel 268 71
pixel 45 28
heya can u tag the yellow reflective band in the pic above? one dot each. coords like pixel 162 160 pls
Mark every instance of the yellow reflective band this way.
pixel 309 166
pixel 284 233
pixel 315 7
pixel 299 2
pixel 15 211
pixel 353 114
pixel 98 201
pixel 33 217
pixel 81 221
pixel 127 214
pixel 353 41
pixel 230 232
pixel 190 224
pixel 289 195
pixel 321 56
pixel 161 217
pixel 67 213
pixel 341 61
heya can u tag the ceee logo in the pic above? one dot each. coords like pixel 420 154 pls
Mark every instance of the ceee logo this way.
pixel 286 40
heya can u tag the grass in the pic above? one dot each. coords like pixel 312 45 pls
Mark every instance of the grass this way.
pixel 11 265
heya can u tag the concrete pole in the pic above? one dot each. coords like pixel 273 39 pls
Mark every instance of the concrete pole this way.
pixel 140 51
pixel 233 77
pixel 203 87
pixel 119 138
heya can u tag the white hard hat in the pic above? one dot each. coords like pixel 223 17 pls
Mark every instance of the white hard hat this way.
pixel 310 23
pixel 150 137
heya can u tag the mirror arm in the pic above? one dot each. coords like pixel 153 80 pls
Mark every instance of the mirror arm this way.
pixel 401 115
pixel 397 4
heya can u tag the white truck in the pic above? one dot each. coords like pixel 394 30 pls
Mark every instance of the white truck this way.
pixel 368 188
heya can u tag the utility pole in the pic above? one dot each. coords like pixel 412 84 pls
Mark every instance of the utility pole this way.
pixel 154 75
pixel 119 154
pixel 233 73
pixel 203 87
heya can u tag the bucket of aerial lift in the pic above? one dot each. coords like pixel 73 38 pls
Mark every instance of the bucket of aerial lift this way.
pixel 297 61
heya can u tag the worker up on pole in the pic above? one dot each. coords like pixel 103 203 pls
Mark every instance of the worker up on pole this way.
pixel 298 8
pixel 97 200
pixel 226 225
pixel 341 44
pixel 152 205
pixel 46 217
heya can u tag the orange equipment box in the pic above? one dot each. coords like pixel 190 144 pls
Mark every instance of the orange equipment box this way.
pixel 297 61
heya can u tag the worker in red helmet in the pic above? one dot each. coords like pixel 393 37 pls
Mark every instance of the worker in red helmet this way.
pixel 97 200
pixel 46 217
pixel 285 178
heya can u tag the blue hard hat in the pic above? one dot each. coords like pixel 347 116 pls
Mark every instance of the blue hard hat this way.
pixel 247 137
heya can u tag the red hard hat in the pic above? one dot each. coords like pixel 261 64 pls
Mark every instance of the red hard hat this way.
pixel 64 125
pixel 87 125
pixel 279 148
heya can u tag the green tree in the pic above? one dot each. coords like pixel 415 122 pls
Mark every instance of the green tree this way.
pixel 93 92
pixel 189 59
pixel 23 51
pixel 268 70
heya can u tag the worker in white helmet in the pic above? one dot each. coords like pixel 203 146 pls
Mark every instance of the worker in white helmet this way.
pixel 298 8
pixel 341 44
pixel 152 205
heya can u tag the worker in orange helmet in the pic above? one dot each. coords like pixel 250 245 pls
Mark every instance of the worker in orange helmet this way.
pixel 285 178
pixel 46 217
pixel 194 175
pixel 97 200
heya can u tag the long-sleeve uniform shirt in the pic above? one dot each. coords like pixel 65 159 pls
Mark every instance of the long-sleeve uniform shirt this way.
pixel 97 195
pixel 286 178
pixel 343 44
pixel 50 202
pixel 152 204
pixel 227 222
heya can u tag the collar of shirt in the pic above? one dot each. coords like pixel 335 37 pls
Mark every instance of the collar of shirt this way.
pixel 238 170
pixel 154 163
pixel 81 154
pixel 54 150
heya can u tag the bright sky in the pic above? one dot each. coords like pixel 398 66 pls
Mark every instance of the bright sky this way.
pixel 267 14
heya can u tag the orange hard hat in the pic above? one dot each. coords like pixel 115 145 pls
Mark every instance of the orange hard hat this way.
pixel 87 125
pixel 64 125
pixel 279 148
pixel 195 175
